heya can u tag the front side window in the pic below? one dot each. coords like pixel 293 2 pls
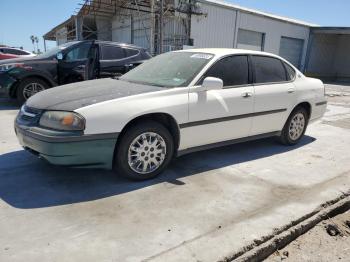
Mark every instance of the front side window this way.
pixel 268 70
pixel 232 70
pixel 110 52
pixel 172 69
pixel 79 52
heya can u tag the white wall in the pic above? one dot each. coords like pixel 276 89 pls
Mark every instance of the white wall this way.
pixel 104 29
pixel 219 28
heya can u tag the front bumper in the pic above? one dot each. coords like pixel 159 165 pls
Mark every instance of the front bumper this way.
pixel 62 149
pixel 6 83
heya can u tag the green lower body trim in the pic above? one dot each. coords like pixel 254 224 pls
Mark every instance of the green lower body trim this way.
pixel 91 153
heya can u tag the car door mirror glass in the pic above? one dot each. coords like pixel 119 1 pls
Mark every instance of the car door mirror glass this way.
pixel 59 56
pixel 212 83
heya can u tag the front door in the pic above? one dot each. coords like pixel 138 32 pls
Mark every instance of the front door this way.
pixel 78 64
pixel 275 94
pixel 221 115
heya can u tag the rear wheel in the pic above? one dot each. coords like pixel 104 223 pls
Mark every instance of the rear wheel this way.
pixel 144 151
pixel 295 127
pixel 29 87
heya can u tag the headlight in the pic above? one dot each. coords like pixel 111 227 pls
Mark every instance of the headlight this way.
pixel 7 67
pixel 60 120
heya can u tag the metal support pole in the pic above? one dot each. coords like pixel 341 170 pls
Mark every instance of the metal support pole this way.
pixel 152 31
pixel 161 27
pixel 189 13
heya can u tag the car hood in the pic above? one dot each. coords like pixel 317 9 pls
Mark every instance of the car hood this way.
pixel 26 59
pixel 73 96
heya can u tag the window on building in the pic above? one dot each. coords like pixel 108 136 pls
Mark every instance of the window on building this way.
pixel 232 70
pixel 110 52
pixel 268 70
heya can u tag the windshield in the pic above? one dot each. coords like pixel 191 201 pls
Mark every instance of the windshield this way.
pixel 53 51
pixel 171 69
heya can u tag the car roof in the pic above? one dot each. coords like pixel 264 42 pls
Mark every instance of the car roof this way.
pixel 118 44
pixel 227 51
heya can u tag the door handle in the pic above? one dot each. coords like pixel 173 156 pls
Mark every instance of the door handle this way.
pixel 247 94
pixel 291 90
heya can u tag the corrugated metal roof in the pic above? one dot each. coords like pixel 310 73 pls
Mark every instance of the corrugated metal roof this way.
pixel 252 11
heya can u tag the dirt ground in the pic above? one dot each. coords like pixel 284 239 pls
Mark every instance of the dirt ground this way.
pixel 327 241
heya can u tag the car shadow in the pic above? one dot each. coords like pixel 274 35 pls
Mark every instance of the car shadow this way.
pixel 28 182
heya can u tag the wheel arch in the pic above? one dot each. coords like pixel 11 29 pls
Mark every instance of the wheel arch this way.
pixel 41 77
pixel 163 118
pixel 306 105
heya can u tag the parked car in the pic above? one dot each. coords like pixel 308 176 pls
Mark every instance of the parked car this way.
pixel 176 103
pixel 71 62
pixel 11 52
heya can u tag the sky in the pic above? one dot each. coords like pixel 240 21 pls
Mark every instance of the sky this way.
pixel 19 19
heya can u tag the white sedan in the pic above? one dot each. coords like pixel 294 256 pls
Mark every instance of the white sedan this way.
pixel 173 104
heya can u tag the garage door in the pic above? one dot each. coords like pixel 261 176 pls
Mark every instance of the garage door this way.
pixel 250 40
pixel 292 50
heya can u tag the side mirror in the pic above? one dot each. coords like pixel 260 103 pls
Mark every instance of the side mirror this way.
pixel 212 83
pixel 59 56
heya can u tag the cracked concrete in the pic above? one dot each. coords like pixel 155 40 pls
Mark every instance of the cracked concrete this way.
pixel 207 206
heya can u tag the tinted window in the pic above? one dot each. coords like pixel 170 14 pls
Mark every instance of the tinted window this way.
pixel 268 70
pixel 79 52
pixel 109 52
pixel 232 70
pixel 130 52
pixel 290 72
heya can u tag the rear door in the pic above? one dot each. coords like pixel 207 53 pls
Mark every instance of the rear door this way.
pixel 221 115
pixel 111 60
pixel 274 94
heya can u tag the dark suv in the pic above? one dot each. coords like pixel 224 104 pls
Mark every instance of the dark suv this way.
pixel 71 62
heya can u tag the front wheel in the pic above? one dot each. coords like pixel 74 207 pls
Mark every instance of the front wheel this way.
pixel 144 151
pixel 29 87
pixel 295 127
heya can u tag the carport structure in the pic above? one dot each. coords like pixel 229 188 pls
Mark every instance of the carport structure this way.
pixel 328 56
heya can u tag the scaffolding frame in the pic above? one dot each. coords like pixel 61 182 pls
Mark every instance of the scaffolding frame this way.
pixel 164 24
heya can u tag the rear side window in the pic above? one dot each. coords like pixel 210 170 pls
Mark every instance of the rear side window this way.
pixel 15 52
pixel 290 72
pixel 233 70
pixel 130 52
pixel 268 70
pixel 110 52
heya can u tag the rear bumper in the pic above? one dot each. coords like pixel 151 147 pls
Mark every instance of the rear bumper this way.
pixel 6 83
pixel 318 111
pixel 77 151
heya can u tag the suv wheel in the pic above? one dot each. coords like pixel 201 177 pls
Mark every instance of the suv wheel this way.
pixel 144 151
pixel 295 127
pixel 29 87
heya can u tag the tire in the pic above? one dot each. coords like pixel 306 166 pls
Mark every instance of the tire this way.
pixel 128 163
pixel 23 86
pixel 294 129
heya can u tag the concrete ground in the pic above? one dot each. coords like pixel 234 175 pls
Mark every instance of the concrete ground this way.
pixel 205 207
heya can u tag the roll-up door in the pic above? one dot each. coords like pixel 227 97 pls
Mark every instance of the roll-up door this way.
pixel 291 49
pixel 250 40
